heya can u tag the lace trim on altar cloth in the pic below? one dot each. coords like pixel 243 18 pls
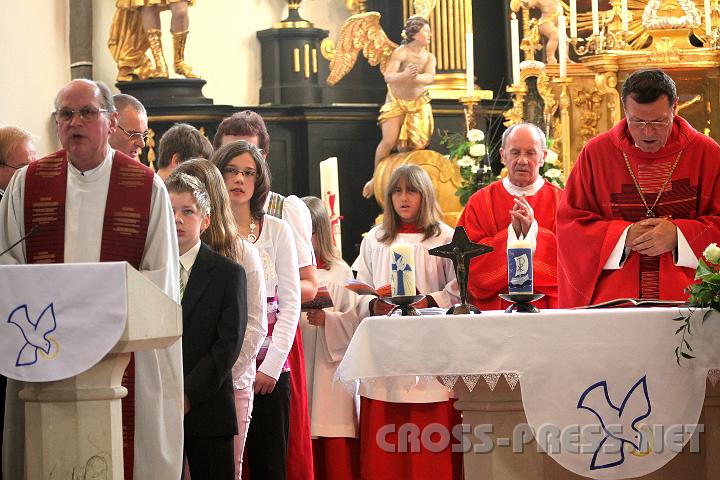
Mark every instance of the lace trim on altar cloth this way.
pixel 470 380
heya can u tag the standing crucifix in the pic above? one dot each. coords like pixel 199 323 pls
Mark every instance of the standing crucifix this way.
pixel 461 250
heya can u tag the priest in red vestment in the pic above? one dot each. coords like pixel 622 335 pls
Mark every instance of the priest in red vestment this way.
pixel 641 204
pixel 521 206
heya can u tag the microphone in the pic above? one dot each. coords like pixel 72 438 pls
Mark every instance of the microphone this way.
pixel 32 232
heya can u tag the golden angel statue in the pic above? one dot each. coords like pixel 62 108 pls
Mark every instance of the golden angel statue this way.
pixel 406 117
pixel 136 27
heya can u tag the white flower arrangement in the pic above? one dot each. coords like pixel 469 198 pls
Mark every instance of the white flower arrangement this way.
pixel 712 253
pixel 475 135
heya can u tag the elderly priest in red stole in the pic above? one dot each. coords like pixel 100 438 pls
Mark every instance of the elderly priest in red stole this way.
pixel 641 204
pixel 76 198
pixel 521 206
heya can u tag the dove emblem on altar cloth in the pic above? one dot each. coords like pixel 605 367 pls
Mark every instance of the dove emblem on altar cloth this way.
pixel 620 425
pixel 36 334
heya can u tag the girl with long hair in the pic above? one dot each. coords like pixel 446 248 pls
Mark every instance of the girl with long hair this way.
pixel 247 179
pixel 326 334
pixel 411 216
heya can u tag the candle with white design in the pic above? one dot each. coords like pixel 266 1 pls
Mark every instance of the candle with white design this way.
pixel 402 269
pixel 520 267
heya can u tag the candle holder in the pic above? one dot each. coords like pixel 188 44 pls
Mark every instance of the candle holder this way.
pixel 516 114
pixel 469 107
pixel 404 303
pixel 521 302
pixel 564 84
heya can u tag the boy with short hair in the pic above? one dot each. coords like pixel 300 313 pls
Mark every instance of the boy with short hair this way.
pixel 213 294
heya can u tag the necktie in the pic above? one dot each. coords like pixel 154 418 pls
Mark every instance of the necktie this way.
pixel 183 280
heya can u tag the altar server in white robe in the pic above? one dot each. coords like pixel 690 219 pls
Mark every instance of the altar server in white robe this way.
pixel 411 216
pixel 326 334
pixel 85 117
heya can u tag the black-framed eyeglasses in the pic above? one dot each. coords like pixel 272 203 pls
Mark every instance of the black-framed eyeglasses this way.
pixel 86 114
pixel 232 172
pixel 135 135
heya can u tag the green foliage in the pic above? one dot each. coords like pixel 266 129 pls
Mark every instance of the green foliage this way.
pixel 704 295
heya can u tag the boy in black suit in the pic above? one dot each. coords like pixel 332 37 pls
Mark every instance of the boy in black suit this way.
pixel 213 295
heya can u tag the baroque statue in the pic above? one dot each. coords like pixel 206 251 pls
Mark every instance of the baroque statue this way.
pixel 136 27
pixel 405 119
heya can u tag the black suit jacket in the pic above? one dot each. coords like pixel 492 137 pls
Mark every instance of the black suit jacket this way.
pixel 214 319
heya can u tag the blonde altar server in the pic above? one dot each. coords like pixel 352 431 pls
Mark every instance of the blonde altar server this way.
pixel 223 237
pixel 246 177
pixel 79 178
pixel 411 216
pixel 326 335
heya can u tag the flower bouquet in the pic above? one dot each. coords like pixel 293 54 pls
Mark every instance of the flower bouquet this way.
pixel 704 295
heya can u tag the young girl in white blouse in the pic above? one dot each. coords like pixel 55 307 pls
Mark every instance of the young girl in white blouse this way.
pixel 247 179
pixel 326 335
pixel 411 216
pixel 223 237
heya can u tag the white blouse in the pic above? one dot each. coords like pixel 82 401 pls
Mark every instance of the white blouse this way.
pixel 244 369
pixel 279 262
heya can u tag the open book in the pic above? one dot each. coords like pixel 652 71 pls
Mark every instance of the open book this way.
pixel 362 288
pixel 321 300
pixel 637 302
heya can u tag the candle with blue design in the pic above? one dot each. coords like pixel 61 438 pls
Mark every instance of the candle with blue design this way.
pixel 402 269
pixel 520 267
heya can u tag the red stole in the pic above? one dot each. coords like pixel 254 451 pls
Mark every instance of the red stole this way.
pixel 486 218
pixel 125 225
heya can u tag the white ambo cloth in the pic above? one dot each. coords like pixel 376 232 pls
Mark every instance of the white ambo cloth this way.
pixel 584 368
pixel 57 321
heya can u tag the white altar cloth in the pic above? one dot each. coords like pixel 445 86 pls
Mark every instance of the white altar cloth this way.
pixel 604 385
pixel 59 320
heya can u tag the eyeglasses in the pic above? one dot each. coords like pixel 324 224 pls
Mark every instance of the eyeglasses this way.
pixel 135 135
pixel 86 114
pixel 653 125
pixel 515 155
pixel 12 166
pixel 232 172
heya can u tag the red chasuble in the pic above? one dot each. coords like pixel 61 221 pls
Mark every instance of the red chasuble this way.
pixel 601 200
pixel 486 219
pixel 125 225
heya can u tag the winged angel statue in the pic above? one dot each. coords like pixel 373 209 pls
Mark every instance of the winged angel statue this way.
pixel 406 117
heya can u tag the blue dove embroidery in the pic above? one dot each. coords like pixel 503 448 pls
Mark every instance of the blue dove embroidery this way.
pixel 634 408
pixel 35 333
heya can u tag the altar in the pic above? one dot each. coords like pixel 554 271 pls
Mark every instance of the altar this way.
pixel 563 394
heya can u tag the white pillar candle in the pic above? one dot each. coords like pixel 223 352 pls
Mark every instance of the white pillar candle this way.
pixel 595 18
pixel 520 271
pixel 330 188
pixel 624 14
pixel 708 22
pixel 573 18
pixel 515 49
pixel 402 269
pixel 562 46
pixel 469 63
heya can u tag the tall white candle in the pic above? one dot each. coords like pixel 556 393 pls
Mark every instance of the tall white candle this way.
pixel 595 18
pixel 624 14
pixel 573 18
pixel 515 49
pixel 562 46
pixel 330 188
pixel 469 63
pixel 402 269
pixel 708 22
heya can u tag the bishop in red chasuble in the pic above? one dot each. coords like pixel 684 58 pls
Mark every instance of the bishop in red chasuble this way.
pixel 641 203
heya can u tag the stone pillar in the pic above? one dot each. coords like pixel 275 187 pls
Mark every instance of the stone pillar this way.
pixel 81 33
